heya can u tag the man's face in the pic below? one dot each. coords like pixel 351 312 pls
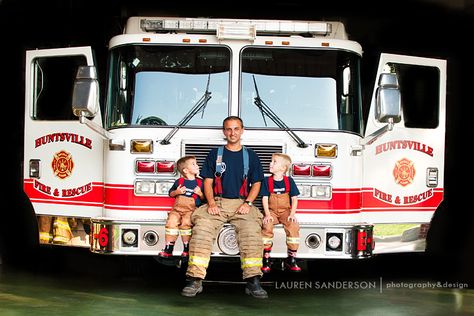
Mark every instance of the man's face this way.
pixel 233 130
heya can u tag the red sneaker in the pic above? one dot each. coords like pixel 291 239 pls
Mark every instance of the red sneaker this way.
pixel 290 264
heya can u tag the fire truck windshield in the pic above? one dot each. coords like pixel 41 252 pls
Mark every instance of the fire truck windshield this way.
pixel 158 85
pixel 306 88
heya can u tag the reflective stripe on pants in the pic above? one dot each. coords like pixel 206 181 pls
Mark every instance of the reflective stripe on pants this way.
pixel 248 230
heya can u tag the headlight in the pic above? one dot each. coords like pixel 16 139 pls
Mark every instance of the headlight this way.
pixel 144 187
pixel 315 191
pixel 162 188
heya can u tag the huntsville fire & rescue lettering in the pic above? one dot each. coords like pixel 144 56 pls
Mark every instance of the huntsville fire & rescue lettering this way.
pixel 410 199
pixel 71 192
pixel 403 172
pixel 63 137
pixel 404 144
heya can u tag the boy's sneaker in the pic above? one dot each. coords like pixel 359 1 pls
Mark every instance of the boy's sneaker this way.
pixel 167 252
pixel 290 264
pixel 266 265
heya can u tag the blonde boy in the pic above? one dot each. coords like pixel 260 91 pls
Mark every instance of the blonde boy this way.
pixel 279 197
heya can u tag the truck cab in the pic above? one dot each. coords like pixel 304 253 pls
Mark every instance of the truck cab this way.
pixel 367 186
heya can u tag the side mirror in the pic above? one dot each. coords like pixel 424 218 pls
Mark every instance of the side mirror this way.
pixel 388 99
pixel 85 97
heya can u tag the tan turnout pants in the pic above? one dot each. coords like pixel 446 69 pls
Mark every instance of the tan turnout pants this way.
pixel 179 219
pixel 207 226
pixel 280 209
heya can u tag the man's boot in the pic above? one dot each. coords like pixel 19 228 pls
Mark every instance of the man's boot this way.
pixel 192 288
pixel 290 262
pixel 266 260
pixel 167 252
pixel 254 288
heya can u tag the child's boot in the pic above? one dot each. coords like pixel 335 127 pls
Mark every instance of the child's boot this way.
pixel 290 262
pixel 266 260
pixel 185 253
pixel 168 251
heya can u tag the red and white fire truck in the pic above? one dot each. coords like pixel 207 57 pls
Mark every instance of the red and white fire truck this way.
pixel 98 173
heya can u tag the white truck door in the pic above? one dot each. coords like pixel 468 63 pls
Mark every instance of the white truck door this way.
pixel 63 159
pixel 404 167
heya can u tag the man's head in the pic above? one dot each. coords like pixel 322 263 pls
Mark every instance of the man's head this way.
pixel 232 118
pixel 233 128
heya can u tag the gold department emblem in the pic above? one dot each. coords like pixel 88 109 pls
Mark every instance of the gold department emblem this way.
pixel 404 172
pixel 62 164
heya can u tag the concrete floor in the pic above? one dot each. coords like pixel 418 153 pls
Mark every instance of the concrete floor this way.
pixel 80 283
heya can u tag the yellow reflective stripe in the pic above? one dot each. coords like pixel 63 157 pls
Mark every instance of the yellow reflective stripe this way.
pixel 62 224
pixel 293 240
pixel 185 232
pixel 251 262
pixel 60 239
pixel 198 261
pixel 172 231
pixel 45 236
pixel 267 241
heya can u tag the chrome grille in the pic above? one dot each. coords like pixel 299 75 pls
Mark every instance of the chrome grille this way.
pixel 263 151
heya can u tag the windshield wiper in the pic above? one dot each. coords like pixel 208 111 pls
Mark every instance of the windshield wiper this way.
pixel 200 106
pixel 265 110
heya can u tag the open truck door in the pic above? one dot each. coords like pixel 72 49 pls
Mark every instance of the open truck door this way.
pixel 404 151
pixel 63 169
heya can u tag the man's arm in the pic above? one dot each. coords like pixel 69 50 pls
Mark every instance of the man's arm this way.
pixel 212 207
pixel 254 190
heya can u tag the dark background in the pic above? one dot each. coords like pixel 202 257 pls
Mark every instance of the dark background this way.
pixel 420 28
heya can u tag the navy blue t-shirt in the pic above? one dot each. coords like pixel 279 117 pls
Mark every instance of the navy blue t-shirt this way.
pixel 279 187
pixel 190 185
pixel 233 170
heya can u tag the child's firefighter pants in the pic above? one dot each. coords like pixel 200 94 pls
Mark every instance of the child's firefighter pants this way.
pixel 179 219
pixel 248 228
pixel 280 209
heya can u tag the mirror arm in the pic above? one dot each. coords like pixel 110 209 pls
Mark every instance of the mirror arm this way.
pixel 95 127
pixel 378 133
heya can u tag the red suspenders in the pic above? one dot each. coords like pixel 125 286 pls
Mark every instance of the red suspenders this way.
pixel 243 192
pixel 199 183
pixel 271 184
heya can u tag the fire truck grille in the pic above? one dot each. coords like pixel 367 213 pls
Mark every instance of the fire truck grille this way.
pixel 265 152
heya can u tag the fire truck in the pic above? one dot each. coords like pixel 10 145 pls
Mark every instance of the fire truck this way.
pixel 97 173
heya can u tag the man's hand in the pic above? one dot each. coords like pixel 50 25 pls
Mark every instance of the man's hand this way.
pixel 213 210
pixel 243 209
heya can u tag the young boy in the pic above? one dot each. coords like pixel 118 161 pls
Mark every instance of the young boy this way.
pixel 279 198
pixel 188 193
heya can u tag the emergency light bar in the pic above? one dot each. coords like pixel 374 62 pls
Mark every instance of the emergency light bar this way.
pixel 234 29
